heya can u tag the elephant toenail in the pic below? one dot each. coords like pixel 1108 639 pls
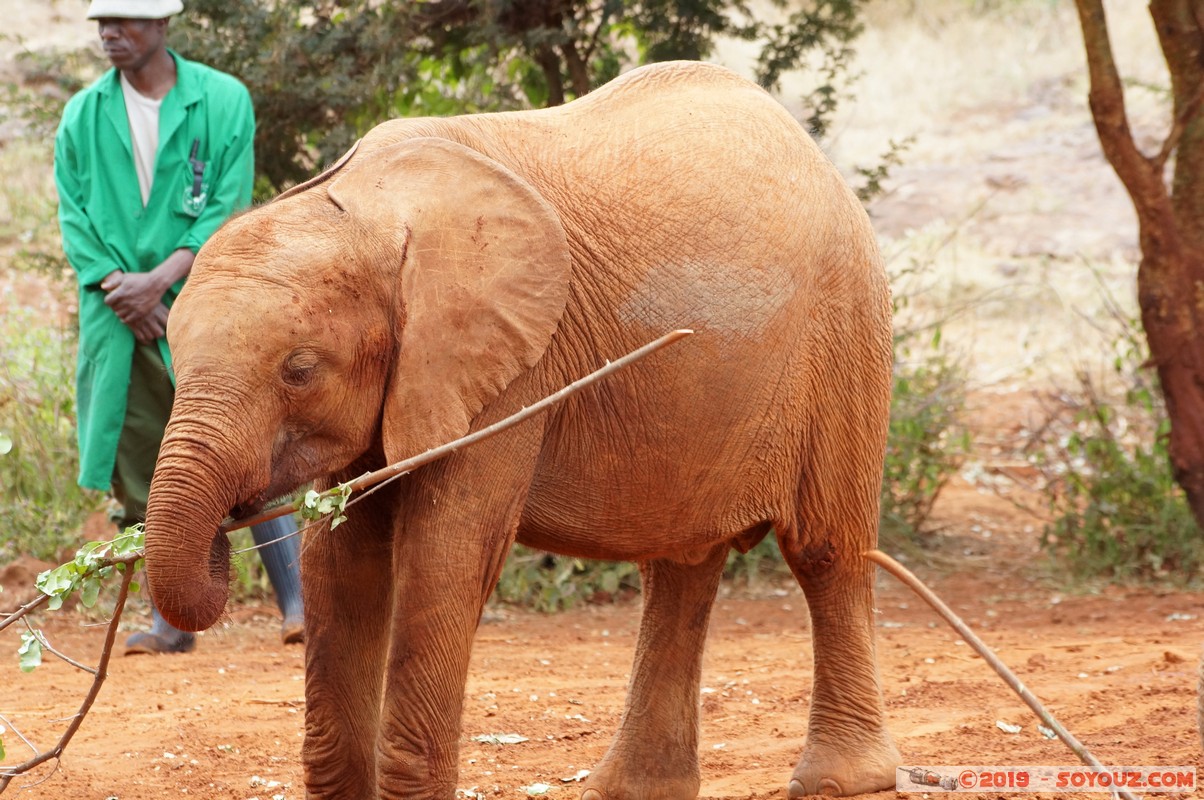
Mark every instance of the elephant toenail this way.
pixel 592 794
pixel 827 787
pixel 830 788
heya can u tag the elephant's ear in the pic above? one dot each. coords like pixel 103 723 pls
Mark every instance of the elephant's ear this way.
pixel 324 176
pixel 482 286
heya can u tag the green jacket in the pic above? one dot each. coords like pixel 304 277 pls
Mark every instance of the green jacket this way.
pixel 106 228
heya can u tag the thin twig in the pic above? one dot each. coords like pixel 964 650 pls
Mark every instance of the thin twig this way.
pixel 47 646
pixel 916 585
pixel 434 454
pixel 20 735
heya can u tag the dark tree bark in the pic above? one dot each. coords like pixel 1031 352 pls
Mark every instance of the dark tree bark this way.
pixel 1170 276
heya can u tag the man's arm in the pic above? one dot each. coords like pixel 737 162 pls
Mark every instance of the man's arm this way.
pixel 82 243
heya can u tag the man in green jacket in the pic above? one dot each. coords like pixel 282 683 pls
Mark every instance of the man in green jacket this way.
pixel 149 161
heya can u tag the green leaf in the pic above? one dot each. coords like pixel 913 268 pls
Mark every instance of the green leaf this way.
pixel 30 652
pixel 59 581
pixel 89 592
pixel 6 446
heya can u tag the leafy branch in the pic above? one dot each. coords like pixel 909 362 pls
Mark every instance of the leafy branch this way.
pixel 93 563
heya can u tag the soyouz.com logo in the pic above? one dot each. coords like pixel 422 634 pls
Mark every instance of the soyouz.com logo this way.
pixel 1044 779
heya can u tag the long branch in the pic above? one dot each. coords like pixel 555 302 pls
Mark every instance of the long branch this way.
pixel 908 578
pixel 436 453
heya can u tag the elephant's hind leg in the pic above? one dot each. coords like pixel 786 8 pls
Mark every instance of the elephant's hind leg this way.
pixel 654 756
pixel 848 749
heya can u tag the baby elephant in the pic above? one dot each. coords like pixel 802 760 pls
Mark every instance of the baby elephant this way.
pixel 449 272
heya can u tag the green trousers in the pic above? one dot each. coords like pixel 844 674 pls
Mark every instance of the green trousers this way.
pixel 148 406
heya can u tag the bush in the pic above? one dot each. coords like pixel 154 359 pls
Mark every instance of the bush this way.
pixel 42 506
pixel 548 582
pixel 1116 510
pixel 927 441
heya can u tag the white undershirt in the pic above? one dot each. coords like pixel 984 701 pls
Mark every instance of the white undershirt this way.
pixel 143 113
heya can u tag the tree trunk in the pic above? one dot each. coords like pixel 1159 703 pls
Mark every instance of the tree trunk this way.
pixel 1170 277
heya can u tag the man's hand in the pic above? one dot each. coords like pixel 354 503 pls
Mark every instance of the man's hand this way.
pixel 132 295
pixel 152 326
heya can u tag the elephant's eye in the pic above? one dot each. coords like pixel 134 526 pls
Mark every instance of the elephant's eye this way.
pixel 298 369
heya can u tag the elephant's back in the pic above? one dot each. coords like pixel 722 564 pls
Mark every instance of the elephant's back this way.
pixel 700 203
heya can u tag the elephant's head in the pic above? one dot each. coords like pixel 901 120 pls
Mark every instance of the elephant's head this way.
pixel 383 306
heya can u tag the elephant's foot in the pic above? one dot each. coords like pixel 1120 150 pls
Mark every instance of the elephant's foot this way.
pixel 653 780
pixel 854 766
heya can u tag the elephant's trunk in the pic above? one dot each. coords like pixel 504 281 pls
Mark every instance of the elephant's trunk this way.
pixel 187 556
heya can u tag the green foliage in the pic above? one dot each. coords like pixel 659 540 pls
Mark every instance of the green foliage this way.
pixel 314 505
pixel 762 559
pixel 46 80
pixel 91 565
pixel 927 440
pixel 323 74
pixel 826 28
pixel 250 580
pixel 875 177
pixel 319 74
pixel 1116 510
pixel 549 582
pixel 29 654
pixel 42 506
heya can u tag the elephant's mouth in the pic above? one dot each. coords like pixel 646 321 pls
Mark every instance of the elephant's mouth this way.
pixel 256 505
pixel 249 507
pixel 244 510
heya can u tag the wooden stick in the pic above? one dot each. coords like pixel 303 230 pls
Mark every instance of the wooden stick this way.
pixel 916 585
pixel 436 453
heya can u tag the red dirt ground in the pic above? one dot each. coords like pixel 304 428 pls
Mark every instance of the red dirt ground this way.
pixel 1117 667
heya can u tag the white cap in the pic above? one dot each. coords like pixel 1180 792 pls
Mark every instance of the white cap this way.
pixel 134 9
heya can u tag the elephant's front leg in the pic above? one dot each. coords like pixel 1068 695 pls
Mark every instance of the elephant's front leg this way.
pixel 347 581
pixel 655 754
pixel 457 525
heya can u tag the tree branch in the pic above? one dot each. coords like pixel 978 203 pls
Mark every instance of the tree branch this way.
pixel 1141 176
pixel 47 646
pixel 99 676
